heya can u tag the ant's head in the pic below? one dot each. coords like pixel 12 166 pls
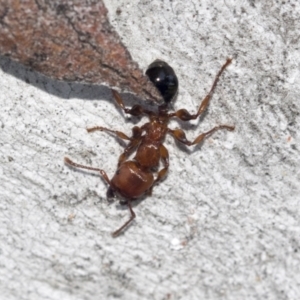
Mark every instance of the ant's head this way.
pixel 164 78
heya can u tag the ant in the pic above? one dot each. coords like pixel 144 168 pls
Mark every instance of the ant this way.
pixel 134 177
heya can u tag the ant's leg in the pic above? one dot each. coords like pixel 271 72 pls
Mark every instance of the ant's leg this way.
pixel 164 155
pixel 184 115
pixel 179 134
pixel 134 140
pixel 128 150
pixel 104 175
pixel 136 110
pixel 132 216
pixel 69 162
pixel 119 134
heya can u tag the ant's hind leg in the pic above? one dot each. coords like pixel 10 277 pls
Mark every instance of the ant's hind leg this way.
pixel 179 134
pixel 136 110
pixel 69 162
pixel 184 115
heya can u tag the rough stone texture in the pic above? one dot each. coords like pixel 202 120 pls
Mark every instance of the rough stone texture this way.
pixel 225 222
pixel 71 41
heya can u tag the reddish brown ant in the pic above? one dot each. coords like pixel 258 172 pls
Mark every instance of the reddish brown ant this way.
pixel 134 178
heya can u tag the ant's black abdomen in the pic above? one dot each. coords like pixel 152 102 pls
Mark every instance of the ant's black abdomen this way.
pixel 164 78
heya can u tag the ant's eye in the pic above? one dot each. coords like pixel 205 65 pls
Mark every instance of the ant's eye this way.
pixel 164 78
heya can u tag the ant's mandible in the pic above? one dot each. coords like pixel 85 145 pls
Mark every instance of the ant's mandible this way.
pixel 135 177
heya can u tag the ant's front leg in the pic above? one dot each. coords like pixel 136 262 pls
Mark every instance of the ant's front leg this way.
pixel 179 134
pixel 134 142
pixel 132 217
pixel 136 110
pixel 184 115
pixel 164 156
